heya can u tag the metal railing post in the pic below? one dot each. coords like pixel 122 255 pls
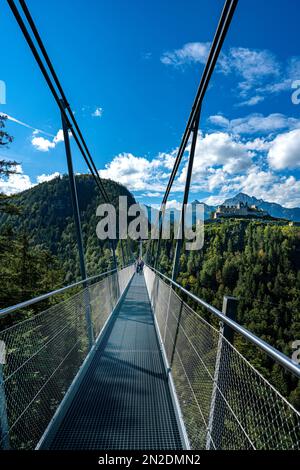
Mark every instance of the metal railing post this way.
pixel 4 429
pixel 222 366
pixel 76 213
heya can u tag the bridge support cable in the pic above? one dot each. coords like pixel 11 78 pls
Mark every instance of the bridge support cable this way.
pixel 179 241
pixel 222 369
pixel 76 214
pixel 181 226
pixel 220 35
pixel 61 101
pixel 57 98
pixel 59 87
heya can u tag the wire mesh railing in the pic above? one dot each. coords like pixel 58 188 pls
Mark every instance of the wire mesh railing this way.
pixel 42 355
pixel 225 402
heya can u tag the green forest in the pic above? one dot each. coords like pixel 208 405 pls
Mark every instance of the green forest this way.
pixel 259 264
pixel 256 262
pixel 38 247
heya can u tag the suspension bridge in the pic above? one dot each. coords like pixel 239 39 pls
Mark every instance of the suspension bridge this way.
pixel 135 361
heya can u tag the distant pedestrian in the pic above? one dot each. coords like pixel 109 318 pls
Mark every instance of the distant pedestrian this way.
pixel 141 265
pixel 137 265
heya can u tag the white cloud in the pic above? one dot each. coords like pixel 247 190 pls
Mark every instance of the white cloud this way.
pixel 263 184
pixel 270 187
pixel 151 194
pixel 98 112
pixel 254 181
pixel 293 68
pixel 284 82
pixel 260 72
pixel 224 164
pixel 146 55
pixel 219 120
pixel 44 145
pixel 250 64
pixel 216 179
pixel 137 173
pixel 285 151
pixel 258 145
pixel 222 150
pixel 172 204
pixel 252 101
pixel 192 52
pixel 59 137
pixel 19 181
pixel 43 178
pixel 214 200
pixel 15 183
pixel 24 124
pixel 258 123
pixel 257 69
pixel 276 87
pixel 286 193
pixel 167 159
pixel 219 157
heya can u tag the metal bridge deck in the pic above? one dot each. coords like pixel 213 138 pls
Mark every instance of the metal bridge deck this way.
pixel 123 401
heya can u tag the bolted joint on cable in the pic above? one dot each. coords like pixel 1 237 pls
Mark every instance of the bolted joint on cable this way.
pixel 64 103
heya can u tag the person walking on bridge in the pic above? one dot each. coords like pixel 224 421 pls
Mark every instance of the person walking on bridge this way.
pixel 141 265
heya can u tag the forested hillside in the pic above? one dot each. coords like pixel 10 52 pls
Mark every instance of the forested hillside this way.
pixel 38 248
pixel 257 262
pixel 260 265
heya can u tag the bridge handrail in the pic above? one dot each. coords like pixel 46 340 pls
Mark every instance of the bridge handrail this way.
pixel 27 303
pixel 272 352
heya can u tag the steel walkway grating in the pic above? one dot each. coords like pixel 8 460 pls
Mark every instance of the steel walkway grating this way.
pixel 124 400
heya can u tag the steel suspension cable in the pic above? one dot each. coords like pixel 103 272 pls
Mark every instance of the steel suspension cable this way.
pixel 223 26
pixel 61 101
pixel 58 100
pixel 218 41
pixel 58 84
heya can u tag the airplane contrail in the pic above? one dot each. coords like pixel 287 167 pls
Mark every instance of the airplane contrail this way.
pixel 17 121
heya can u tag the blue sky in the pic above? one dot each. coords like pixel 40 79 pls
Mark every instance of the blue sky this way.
pixel 131 69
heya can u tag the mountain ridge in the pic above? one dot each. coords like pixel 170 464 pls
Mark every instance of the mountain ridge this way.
pixel 273 208
pixel 46 215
